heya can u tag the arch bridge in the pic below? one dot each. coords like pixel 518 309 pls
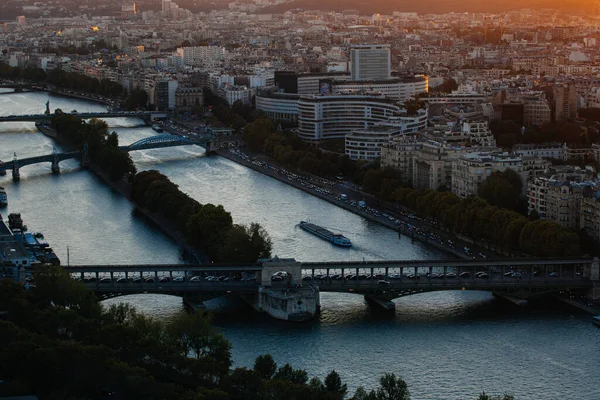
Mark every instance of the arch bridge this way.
pixel 152 142
pixel 380 281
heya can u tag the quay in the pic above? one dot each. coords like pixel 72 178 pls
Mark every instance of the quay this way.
pixel 407 227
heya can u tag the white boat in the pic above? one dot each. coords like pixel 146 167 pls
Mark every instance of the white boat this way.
pixel 3 197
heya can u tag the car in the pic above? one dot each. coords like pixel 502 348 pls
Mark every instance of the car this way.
pixel 383 282
pixel 554 274
pixel 450 275
pixel 149 280
pixel 465 274
pixel 482 275
pixel 136 279
pixel 106 280
pixel 195 279
pixel 516 275
pixel 179 279
pixel 122 280
pixel 509 273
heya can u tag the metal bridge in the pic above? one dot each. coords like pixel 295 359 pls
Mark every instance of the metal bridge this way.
pixel 153 142
pixel 382 280
pixel 83 115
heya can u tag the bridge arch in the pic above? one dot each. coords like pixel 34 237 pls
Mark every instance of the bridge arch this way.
pixel 158 140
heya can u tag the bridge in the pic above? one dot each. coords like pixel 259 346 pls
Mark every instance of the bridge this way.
pixel 379 281
pixel 152 142
pixel 83 115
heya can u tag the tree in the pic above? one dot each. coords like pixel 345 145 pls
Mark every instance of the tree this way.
pixel 207 228
pixel 502 189
pixel 484 396
pixel 361 394
pixel 392 388
pixel 265 366
pixel 287 373
pixel 333 384
pixel 193 333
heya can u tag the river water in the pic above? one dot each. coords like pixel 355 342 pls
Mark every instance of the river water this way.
pixel 447 345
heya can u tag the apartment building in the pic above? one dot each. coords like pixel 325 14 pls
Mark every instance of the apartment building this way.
pixel 472 169
pixel 334 116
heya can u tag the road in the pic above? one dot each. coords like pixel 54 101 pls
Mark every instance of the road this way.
pixel 404 223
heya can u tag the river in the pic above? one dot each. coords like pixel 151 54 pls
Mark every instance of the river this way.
pixel 447 345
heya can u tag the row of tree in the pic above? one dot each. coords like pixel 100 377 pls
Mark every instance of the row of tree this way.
pixel 58 342
pixel 103 147
pixel 206 227
pixel 84 83
pixel 509 133
pixel 33 74
pixel 290 151
pixel 475 217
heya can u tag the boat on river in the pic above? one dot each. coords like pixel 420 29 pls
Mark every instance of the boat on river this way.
pixel 335 238
pixel 157 128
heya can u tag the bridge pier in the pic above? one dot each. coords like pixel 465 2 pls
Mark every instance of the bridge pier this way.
pixel 55 161
pixel 381 302
pixel 85 158
pixel 512 299
pixel 593 273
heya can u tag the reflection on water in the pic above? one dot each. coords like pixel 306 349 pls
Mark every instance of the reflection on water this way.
pixel 447 345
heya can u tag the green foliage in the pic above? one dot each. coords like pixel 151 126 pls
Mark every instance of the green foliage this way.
pixel 392 388
pixel 484 396
pixel 137 99
pixel 54 344
pixel 265 366
pixel 475 217
pixel 334 385
pixel 502 189
pixel 102 147
pixel 83 83
pixel 206 227
pixel 289 374
pixel 290 151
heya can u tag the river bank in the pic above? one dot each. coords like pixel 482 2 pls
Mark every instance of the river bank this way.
pixel 408 227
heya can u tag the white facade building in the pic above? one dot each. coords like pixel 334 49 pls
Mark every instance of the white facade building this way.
pixel 334 116
pixel 472 169
pixel 370 62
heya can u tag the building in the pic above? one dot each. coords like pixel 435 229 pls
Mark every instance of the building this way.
pixel 478 133
pixel 557 151
pixel 472 169
pixel 200 55
pixel 400 89
pixel 188 98
pixel 165 94
pixel 334 116
pixel 233 93
pixel 589 213
pixel 559 196
pixel 565 102
pixel 370 62
pixel 366 144
pixel 536 110
pixel 278 106
pixel 424 164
